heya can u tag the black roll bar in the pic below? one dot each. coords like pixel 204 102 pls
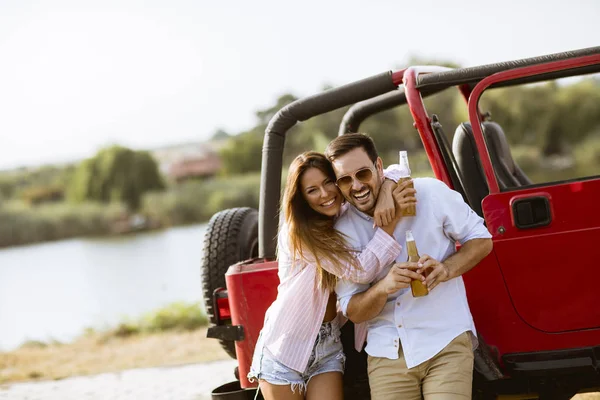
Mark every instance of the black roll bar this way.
pixel 472 75
pixel 272 152
pixel 361 111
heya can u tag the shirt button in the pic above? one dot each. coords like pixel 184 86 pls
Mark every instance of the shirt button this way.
pixel 398 303
pixel 399 326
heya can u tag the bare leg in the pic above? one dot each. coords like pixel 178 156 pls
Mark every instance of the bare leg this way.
pixel 279 392
pixel 325 386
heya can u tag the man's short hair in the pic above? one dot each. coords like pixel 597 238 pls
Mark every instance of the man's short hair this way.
pixel 348 142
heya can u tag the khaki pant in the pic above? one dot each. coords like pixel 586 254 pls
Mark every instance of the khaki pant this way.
pixel 448 375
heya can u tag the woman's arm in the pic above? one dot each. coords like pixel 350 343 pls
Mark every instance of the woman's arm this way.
pixel 392 199
pixel 387 208
pixel 380 252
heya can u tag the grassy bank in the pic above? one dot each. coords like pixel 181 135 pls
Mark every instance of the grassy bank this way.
pixel 178 316
pixel 187 203
pixel 175 334
pixel 197 201
pixel 24 224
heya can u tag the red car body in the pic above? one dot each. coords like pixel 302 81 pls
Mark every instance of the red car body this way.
pixel 534 299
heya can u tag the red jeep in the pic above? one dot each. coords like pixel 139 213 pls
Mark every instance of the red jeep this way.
pixel 535 311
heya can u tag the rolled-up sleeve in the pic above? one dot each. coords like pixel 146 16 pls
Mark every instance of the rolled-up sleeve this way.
pixel 392 172
pixel 345 290
pixel 461 223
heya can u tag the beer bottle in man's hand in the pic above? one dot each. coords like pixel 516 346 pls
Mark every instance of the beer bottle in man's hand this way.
pixel 418 288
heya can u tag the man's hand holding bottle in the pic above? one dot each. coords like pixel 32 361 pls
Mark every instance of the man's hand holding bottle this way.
pixel 399 277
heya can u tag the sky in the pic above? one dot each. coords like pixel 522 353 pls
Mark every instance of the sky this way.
pixel 76 75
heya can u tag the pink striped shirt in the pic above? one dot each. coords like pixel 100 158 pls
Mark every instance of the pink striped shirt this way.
pixel 292 322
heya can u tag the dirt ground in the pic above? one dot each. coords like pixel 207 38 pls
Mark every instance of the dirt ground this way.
pixel 99 354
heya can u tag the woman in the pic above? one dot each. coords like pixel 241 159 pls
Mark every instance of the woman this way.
pixel 299 352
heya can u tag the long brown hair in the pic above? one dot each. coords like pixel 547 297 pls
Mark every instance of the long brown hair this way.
pixel 310 231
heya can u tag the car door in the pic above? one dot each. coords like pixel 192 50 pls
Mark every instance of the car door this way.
pixel 545 241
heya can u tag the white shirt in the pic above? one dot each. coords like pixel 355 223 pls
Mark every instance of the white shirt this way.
pixel 424 325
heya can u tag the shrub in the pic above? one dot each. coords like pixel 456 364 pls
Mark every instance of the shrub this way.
pixel 197 201
pixel 527 157
pixel 21 224
pixel 176 316
pixel 587 157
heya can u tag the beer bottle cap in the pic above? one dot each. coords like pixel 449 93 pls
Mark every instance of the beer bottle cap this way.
pixel 404 167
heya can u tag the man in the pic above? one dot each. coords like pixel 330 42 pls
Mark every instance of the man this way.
pixel 417 346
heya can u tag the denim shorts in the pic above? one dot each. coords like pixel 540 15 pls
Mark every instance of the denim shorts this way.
pixel 327 356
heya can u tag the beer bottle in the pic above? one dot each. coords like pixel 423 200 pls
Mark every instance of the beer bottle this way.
pixel 411 210
pixel 417 287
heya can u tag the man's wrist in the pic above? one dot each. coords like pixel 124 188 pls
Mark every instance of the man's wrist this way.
pixel 380 289
pixel 448 272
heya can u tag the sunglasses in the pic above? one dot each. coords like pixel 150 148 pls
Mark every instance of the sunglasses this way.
pixel 364 175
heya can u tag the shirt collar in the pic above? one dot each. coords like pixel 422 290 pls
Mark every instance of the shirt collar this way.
pixel 361 214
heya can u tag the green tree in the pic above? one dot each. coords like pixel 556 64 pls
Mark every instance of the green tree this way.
pixel 552 117
pixel 7 187
pixel 243 153
pixel 220 134
pixel 116 174
pixel 264 116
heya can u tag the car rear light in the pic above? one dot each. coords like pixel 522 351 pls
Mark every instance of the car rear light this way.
pixel 223 329
pixel 223 307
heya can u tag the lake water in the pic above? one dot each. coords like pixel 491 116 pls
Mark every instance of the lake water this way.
pixel 56 290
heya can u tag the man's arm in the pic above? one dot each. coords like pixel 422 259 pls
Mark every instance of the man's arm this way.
pixel 470 253
pixel 367 305
pixel 462 224
pixel 468 256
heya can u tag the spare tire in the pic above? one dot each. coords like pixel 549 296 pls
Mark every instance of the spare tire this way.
pixel 231 237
